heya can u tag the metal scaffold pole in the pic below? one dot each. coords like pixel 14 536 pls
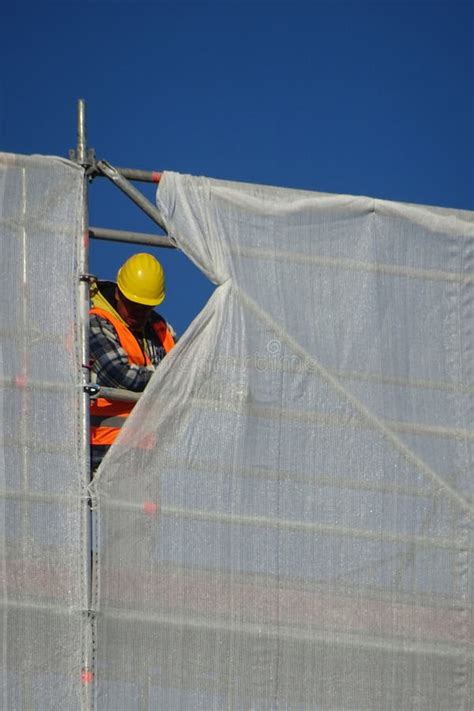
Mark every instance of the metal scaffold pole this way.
pixel 143 176
pixel 131 191
pixel 103 233
pixel 85 157
pixel 81 132
pixel 86 673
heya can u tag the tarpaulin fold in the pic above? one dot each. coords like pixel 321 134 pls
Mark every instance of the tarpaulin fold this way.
pixel 286 519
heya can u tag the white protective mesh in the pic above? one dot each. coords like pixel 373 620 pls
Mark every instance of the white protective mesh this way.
pixel 286 519
pixel 41 203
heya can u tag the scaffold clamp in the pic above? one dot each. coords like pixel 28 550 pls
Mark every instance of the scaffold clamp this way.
pixel 89 164
pixel 92 389
pixel 90 278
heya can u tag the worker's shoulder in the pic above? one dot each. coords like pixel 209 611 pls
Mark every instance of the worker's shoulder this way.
pixel 159 319
pixel 100 323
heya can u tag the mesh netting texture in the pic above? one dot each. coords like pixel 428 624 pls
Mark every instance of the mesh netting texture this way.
pixel 285 521
pixel 41 549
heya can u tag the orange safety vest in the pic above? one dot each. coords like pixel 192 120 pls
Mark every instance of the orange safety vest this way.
pixel 108 416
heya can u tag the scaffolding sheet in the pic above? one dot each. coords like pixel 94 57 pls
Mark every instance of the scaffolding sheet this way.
pixel 285 521
pixel 41 551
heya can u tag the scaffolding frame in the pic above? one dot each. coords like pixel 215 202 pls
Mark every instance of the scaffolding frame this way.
pixel 85 157
pixel 121 177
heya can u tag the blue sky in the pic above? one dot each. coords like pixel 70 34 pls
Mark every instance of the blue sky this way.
pixel 367 98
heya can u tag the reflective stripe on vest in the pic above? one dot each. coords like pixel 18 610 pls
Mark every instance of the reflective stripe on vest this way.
pixel 108 416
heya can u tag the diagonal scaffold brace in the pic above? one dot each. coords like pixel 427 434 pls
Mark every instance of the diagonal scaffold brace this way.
pixel 104 168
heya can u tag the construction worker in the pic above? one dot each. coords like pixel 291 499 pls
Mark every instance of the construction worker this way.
pixel 128 339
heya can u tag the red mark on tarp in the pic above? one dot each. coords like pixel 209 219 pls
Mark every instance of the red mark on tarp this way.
pixel 20 381
pixel 148 441
pixel 87 677
pixel 150 507
pixel 156 177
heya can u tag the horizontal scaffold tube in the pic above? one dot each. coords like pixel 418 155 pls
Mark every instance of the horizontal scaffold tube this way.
pixel 118 394
pixel 143 176
pixel 134 237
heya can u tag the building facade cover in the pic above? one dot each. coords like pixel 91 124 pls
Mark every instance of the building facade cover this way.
pixel 43 582
pixel 285 521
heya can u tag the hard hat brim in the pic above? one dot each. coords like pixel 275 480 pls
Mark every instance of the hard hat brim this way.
pixel 141 300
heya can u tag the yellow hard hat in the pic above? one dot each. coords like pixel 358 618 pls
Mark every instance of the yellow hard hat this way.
pixel 141 279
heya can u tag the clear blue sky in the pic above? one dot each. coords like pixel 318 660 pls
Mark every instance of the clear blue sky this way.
pixel 372 98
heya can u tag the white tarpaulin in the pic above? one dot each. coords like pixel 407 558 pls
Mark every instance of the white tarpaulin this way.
pixel 42 465
pixel 286 519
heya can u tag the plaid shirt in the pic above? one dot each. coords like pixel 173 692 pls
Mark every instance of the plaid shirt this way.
pixel 109 361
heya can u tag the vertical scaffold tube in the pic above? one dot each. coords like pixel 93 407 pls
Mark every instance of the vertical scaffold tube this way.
pixel 87 671
pixel 81 132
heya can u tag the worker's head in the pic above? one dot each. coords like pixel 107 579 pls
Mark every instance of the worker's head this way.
pixel 140 287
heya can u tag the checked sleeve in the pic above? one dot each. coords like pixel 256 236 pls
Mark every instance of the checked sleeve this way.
pixel 110 362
